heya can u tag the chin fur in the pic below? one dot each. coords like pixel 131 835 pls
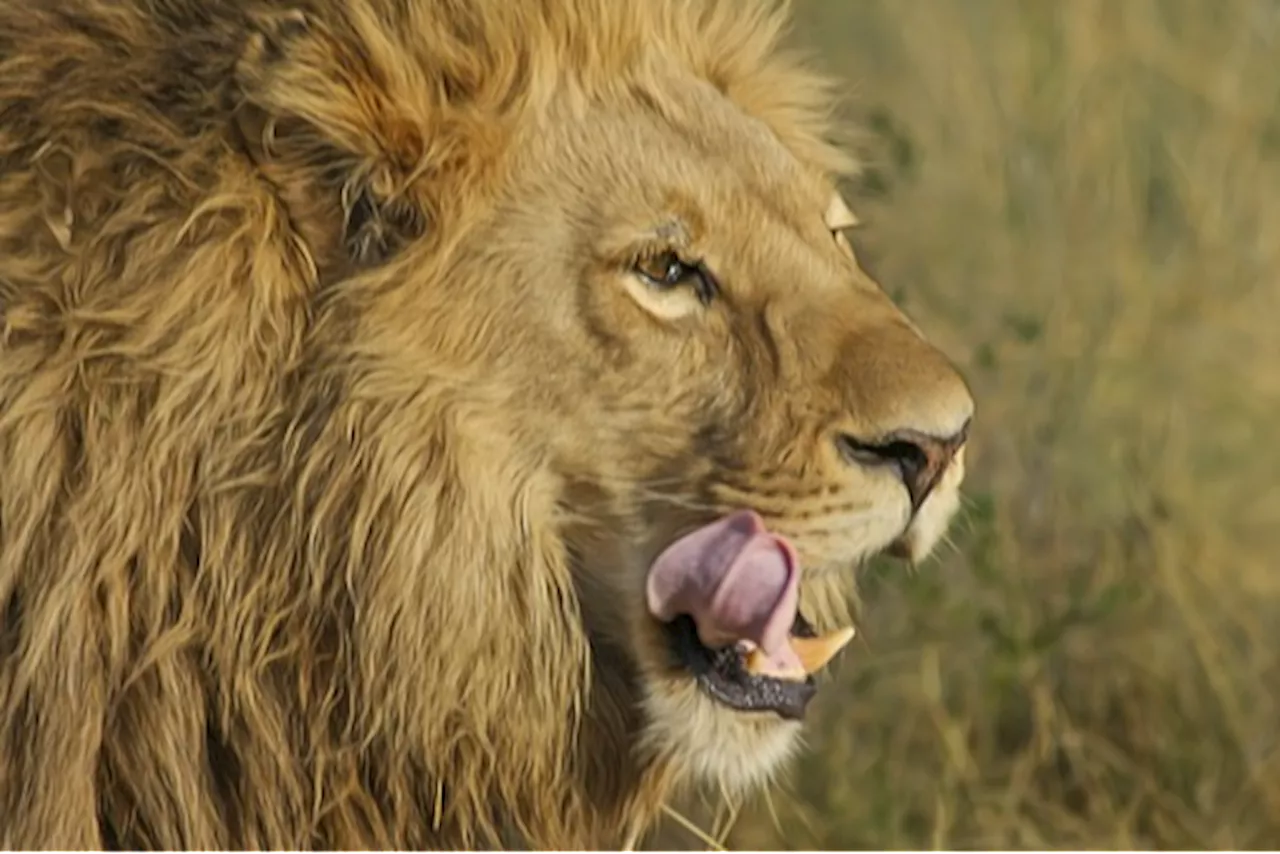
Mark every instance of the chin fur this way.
pixel 733 751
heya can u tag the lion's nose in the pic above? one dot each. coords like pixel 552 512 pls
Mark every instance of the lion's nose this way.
pixel 919 458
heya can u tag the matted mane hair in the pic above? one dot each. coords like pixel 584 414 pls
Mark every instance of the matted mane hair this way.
pixel 254 590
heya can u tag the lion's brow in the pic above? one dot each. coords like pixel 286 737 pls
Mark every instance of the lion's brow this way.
pixel 672 229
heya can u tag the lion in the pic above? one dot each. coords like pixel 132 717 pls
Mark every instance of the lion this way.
pixel 430 423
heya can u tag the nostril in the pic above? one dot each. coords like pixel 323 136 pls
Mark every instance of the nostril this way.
pixel 918 459
pixel 905 455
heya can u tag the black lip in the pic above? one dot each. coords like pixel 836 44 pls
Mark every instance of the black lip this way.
pixel 722 675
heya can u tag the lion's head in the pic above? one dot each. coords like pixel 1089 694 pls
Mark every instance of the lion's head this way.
pixel 591 401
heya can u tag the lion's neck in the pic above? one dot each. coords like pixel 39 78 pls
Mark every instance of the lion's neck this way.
pixel 468 643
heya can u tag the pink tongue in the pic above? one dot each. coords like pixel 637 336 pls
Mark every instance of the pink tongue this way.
pixel 736 580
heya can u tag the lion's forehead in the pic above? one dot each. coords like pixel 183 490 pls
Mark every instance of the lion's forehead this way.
pixel 678 139
pixel 746 153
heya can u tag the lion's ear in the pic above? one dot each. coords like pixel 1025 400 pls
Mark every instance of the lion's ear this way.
pixel 318 121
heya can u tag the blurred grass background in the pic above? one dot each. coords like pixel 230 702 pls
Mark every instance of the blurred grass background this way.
pixel 1080 201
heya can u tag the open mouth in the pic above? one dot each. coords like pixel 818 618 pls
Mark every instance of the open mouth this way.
pixel 723 674
pixel 727 595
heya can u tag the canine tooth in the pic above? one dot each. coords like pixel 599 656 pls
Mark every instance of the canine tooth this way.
pixel 758 663
pixel 814 653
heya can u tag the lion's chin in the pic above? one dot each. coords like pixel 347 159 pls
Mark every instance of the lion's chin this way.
pixel 734 751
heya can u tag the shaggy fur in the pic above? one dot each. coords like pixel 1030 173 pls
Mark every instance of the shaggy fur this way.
pixel 336 430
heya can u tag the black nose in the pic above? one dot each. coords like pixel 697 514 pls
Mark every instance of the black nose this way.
pixel 919 458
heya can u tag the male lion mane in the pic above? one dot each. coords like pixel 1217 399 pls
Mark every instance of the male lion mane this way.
pixel 256 592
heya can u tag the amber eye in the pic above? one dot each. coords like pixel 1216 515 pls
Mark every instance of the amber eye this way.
pixel 667 271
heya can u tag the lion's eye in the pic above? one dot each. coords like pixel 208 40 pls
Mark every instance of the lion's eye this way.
pixel 667 270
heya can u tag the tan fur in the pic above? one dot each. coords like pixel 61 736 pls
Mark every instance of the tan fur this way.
pixel 336 435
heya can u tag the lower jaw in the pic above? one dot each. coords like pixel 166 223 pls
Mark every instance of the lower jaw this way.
pixel 723 678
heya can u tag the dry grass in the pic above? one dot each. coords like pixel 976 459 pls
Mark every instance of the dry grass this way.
pixel 1081 201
